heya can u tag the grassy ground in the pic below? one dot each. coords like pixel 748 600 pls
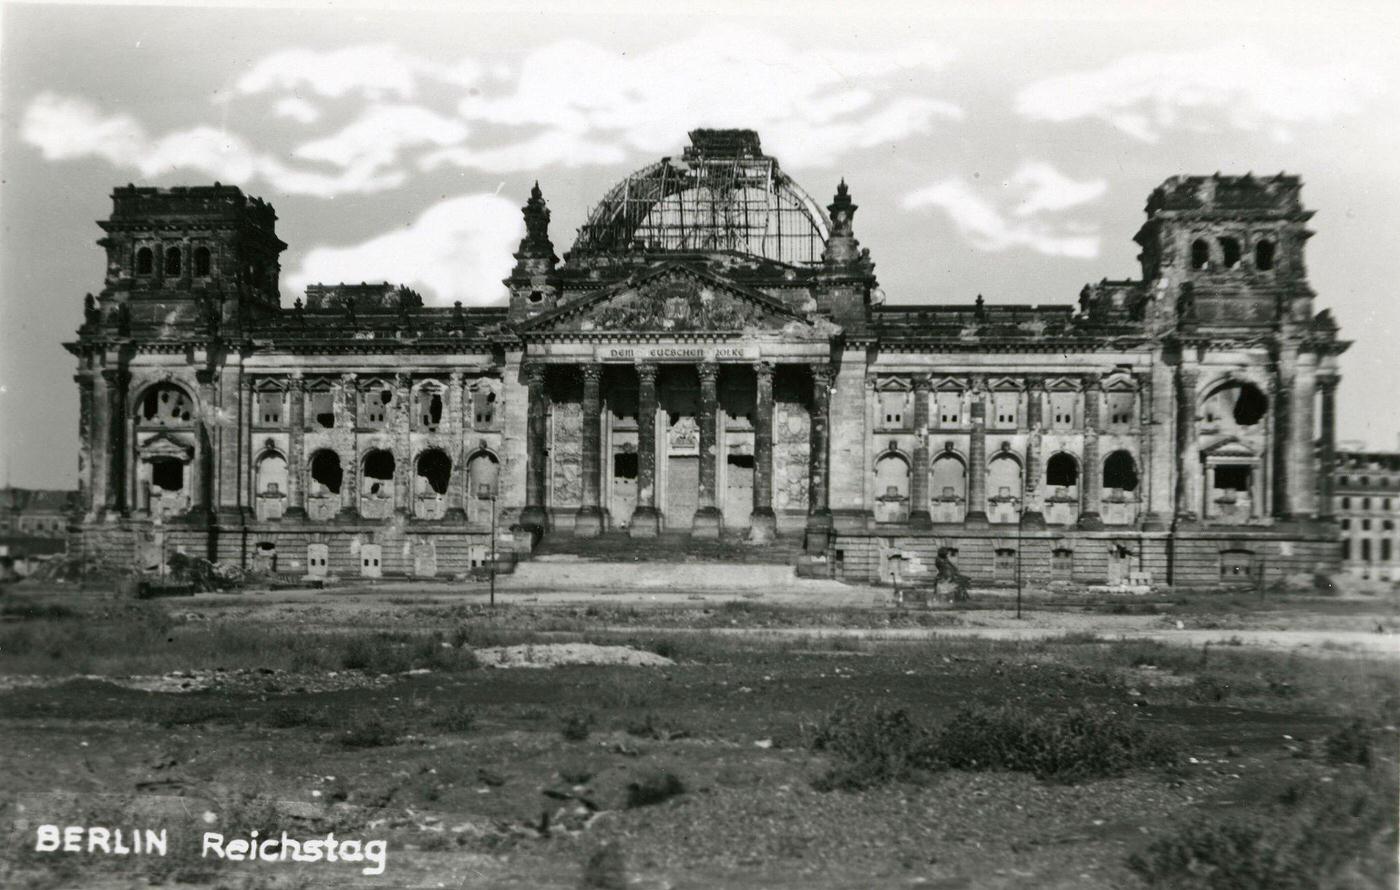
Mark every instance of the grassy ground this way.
pixel 1211 767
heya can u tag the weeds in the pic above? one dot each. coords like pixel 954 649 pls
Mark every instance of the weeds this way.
pixel 1322 837
pixel 370 734
pixel 455 719
pixel 1351 744
pixel 872 747
pixel 577 727
pixel 653 788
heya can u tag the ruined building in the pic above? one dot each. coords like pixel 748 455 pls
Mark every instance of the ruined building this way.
pixel 712 357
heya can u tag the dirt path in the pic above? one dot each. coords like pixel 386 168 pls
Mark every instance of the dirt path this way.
pixel 1314 642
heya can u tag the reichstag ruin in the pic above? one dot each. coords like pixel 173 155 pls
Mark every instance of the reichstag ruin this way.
pixel 712 357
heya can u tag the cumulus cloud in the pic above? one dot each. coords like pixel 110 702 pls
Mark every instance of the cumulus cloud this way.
pixel 457 249
pixel 1242 87
pixel 376 71
pixel 1021 215
pixel 66 128
pixel 297 109
pixel 718 77
pixel 398 114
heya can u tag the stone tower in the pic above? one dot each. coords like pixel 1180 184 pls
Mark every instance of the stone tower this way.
pixel 533 283
pixel 183 258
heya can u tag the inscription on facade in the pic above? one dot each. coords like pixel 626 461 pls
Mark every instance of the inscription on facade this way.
pixel 676 353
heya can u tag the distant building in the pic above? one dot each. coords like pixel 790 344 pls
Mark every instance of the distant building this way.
pixel 713 356
pixel 33 512
pixel 1366 495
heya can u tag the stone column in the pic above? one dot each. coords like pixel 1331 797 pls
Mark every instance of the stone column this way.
pixel 118 456
pixel 1280 473
pixel 646 521
pixel 588 521
pixel 296 411
pixel 245 444
pixel 399 425
pixel 918 484
pixel 84 382
pixel 459 490
pixel 763 523
pixel 536 463
pixel 1032 516
pixel 1149 520
pixel 1091 481
pixel 708 518
pixel 977 460
pixel 100 445
pixel 819 523
pixel 1327 444
pixel 348 416
pixel 1188 456
pixel 1302 458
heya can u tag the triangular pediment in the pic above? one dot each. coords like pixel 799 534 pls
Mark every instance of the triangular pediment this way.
pixel 162 445
pixel 1229 448
pixel 674 298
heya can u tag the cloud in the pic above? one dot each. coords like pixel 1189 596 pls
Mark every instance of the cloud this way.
pixel 1241 87
pixel 718 77
pixel 1018 216
pixel 571 104
pixel 297 109
pixel 64 128
pixel 457 249
pixel 375 71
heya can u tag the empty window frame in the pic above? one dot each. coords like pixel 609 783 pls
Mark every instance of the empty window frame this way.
pixel 1120 408
pixel 1005 409
pixel 1062 409
pixel 949 408
pixel 269 407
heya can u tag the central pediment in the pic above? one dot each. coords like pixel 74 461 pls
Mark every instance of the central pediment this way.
pixel 670 299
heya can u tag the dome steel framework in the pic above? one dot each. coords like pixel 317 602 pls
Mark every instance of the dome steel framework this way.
pixel 724 195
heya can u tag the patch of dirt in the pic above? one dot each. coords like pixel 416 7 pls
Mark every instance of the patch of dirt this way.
pixel 546 655
pixel 260 681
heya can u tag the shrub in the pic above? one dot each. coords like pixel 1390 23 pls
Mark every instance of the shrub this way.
pixel 653 788
pixel 872 747
pixel 1323 837
pixel 879 746
pixel 455 719
pixel 577 727
pixel 1349 744
pixel 1080 743
pixel 370 734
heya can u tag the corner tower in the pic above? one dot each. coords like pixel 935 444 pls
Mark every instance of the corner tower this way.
pixel 1227 251
pixel 188 257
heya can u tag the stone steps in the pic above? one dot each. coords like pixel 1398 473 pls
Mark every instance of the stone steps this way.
pixel 669 547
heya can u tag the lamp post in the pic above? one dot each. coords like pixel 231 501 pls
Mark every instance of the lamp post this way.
pixel 1021 521
pixel 487 492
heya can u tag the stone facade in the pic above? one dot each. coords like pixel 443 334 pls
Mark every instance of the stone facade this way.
pixel 712 357
pixel 1365 498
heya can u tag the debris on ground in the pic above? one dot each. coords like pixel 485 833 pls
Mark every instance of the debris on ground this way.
pixel 559 654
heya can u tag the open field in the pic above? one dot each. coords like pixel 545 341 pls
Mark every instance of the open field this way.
pixel 782 747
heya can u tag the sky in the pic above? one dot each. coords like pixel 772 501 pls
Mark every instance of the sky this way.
pixel 1002 149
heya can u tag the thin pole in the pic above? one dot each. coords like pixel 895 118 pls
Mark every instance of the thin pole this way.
pixel 1019 541
pixel 493 550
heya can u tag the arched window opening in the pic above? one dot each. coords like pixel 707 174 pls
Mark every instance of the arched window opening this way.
pixel 202 262
pixel 1250 406
pixel 435 468
pixel 145 261
pixel 272 476
pixel 166 404
pixel 325 471
pixel 1061 470
pixel 891 477
pixel 1230 252
pixel 379 473
pixel 1200 254
pixel 172 261
pixel 1120 472
pixel 167 473
pixel 1264 256
pixel 482 473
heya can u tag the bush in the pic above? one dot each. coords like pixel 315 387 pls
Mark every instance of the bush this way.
pixel 1349 744
pixel 879 746
pixel 456 719
pixel 873 747
pixel 370 734
pixel 577 727
pixel 1081 743
pixel 653 788
pixel 1325 837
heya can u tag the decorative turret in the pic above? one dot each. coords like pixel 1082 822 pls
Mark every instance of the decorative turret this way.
pixel 847 275
pixel 533 283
